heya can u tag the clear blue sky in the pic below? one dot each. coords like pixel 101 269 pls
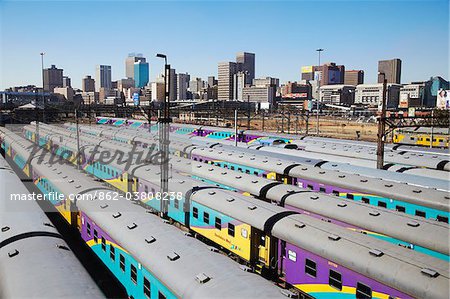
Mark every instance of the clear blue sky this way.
pixel 196 35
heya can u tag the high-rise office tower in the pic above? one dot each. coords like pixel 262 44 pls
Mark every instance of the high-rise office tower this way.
pixel 212 88
pixel 141 73
pixel 239 81
pixel 392 69
pixel 212 81
pixel 53 77
pixel 246 63
pixel 66 82
pixel 182 86
pixel 332 74
pixel 103 77
pixel 226 71
pixel 354 77
pixel 129 64
pixel 173 85
pixel 88 84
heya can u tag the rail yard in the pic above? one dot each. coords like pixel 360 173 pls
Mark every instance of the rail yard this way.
pixel 246 213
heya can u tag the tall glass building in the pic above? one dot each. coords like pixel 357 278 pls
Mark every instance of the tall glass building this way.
pixel 141 74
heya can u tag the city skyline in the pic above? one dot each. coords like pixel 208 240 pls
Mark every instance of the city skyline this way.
pixel 379 35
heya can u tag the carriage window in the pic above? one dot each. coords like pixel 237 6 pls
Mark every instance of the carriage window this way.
pixel 112 252
pixel 322 189
pixel 88 228
pixel 400 209
pixel 363 291
pixel 350 196
pixel 206 217
pixel 231 229
pixel 95 236
pixel 103 244
pixel 335 192
pixel 195 212
pixel 442 219
pixel 122 262
pixel 365 200
pixel 146 188
pixel 133 273
pixel 161 295
pixel 335 280
pixel 311 187
pixel 176 203
pixel 218 223
pixel 420 213
pixel 146 287
pixel 382 204
pixel 292 255
pixel 310 268
pixel 262 241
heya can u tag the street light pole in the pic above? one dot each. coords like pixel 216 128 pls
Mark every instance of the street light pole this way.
pixel 43 96
pixel 78 156
pixel 164 122
pixel 381 126
pixel 235 126
pixel 318 93
pixel 248 112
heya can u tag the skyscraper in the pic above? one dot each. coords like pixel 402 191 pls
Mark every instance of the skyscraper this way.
pixel 354 77
pixel 66 82
pixel 332 74
pixel 212 88
pixel 53 77
pixel 173 85
pixel 239 81
pixel 141 73
pixel 88 84
pixel 246 63
pixel 103 77
pixel 226 71
pixel 212 81
pixel 129 64
pixel 392 69
pixel 182 86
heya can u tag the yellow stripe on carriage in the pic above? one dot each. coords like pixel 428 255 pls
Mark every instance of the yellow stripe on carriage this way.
pixel 92 243
pixel 325 288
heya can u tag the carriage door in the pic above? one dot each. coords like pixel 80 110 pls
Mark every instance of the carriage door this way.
pixel 264 249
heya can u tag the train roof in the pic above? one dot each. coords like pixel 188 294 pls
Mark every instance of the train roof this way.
pixel 32 261
pixel 405 270
pixel 339 245
pixel 423 232
pixel 412 194
pixel 184 275
pixel 424 177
